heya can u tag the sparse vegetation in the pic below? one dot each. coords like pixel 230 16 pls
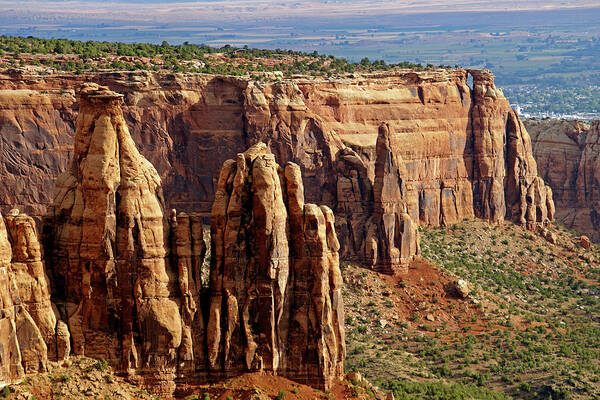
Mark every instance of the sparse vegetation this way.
pixel 529 329
pixel 79 57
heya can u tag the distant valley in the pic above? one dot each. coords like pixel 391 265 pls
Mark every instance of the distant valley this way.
pixel 543 55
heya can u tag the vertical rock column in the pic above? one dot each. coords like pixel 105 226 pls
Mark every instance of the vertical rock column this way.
pixel 10 355
pixel 528 198
pixel 505 182
pixel 105 235
pixel 275 280
pixel 189 249
pixel 392 235
pixel 22 288
pixel 316 339
pixel 488 118
pixel 249 266
pixel 29 275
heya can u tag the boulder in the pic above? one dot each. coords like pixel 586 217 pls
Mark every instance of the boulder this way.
pixel 584 242
pixel 462 288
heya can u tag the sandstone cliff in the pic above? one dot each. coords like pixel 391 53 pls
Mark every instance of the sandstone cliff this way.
pixel 30 333
pixel 463 151
pixel 127 277
pixel 567 158
pixel 275 299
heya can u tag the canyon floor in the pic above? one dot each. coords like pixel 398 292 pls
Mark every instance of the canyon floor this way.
pixel 528 327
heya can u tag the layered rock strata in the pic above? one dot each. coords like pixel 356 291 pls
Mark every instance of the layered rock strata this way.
pixel 275 279
pixel 127 277
pixel 106 238
pixel 31 336
pixel 464 151
pixel 567 156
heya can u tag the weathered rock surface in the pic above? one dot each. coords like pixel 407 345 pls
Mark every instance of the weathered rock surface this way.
pixel 189 250
pixel 584 242
pixel 127 278
pixel 275 279
pixel 11 367
pixel 106 236
pixel 29 275
pixel 392 235
pixel 567 156
pixel 27 321
pixel 464 152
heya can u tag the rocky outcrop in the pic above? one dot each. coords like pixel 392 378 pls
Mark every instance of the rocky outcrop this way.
pixel 29 275
pixel 106 236
pixel 27 321
pixel 566 155
pixel 275 278
pixel 395 240
pixel 11 367
pixel 528 199
pixel 128 280
pixel 189 250
pixel 389 236
pixel 464 151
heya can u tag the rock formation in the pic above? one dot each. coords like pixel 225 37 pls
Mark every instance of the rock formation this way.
pixel 392 237
pixel 29 275
pixel 189 251
pixel 127 278
pixel 11 367
pixel 106 238
pixel 28 324
pixel 275 278
pixel 463 150
pixel 567 156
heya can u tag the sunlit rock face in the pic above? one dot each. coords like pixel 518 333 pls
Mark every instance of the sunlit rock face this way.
pixel 464 152
pixel 106 237
pixel 275 278
pixel 31 333
pixel 567 156
pixel 127 277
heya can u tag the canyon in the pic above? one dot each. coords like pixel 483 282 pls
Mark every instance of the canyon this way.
pixel 293 175
pixel 386 152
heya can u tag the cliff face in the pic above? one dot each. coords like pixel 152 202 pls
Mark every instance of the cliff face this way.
pixel 459 151
pixel 567 156
pixel 127 277
pixel 31 333
pixel 289 318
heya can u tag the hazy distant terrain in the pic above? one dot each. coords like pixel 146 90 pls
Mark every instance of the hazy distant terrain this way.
pixel 545 53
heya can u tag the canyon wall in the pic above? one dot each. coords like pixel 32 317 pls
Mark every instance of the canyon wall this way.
pixel 139 170
pixel 31 333
pixel 126 273
pixel 275 298
pixel 568 160
pixel 460 152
